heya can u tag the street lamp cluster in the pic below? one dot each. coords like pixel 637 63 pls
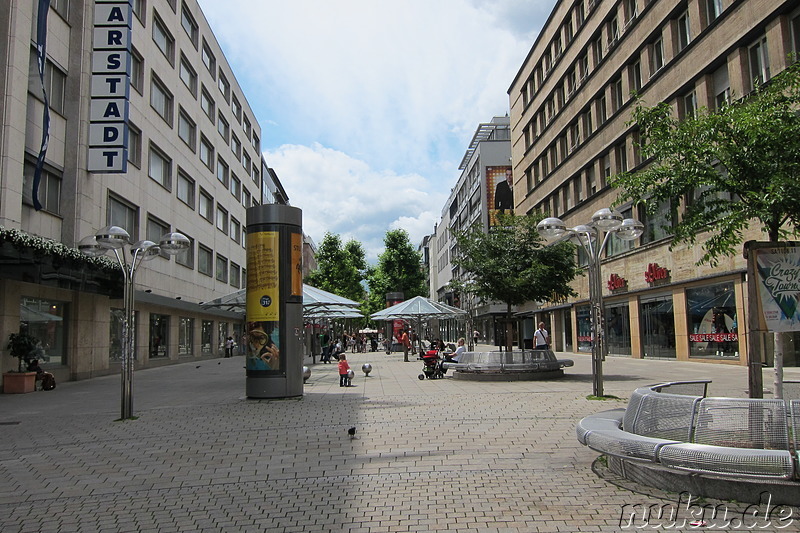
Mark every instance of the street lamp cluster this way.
pixel 593 237
pixel 116 239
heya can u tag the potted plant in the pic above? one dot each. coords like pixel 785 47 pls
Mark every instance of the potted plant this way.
pixel 22 346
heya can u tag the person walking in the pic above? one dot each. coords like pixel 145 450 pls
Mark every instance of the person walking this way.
pixel 541 339
pixel 229 343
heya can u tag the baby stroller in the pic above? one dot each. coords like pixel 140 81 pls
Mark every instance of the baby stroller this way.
pixel 432 365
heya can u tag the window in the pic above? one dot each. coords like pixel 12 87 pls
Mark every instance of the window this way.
pixel 658 225
pixel 587 123
pixel 49 193
pixel 208 59
pixel 204 260
pixel 187 129
pixel 636 75
pixel 188 75
pixel 256 142
pixel 759 62
pixel 236 273
pixel 246 161
pixel 137 70
pixel 185 335
pixel 134 145
pixel 236 231
pixel 224 86
pixel 50 327
pixel 795 30
pixel 591 181
pixel 236 187
pixel 207 104
pixel 222 269
pixel 189 25
pixel 159 167
pixel 613 32
pixel 222 219
pixel 656 55
pixel 583 61
pixel 206 152
pixel 161 99
pixel 616 92
pixel 713 9
pixel 246 200
pixel 622 157
pixel 689 105
pixel 722 87
pixel 222 127
pixel 684 32
pixel 630 11
pixel 55 81
pixel 206 206
pixel 616 245
pixel 222 171
pixel 185 188
pixel 247 127
pixel 568 33
pixel 139 9
pixel 186 257
pixel 601 109
pixel 597 47
pixel 713 328
pixel 163 39
pixel 236 107
pixel 579 14
pixel 256 174
pixel 155 229
pixel 236 146
pixel 126 216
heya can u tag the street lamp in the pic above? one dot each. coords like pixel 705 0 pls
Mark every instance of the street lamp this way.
pixel 594 237
pixel 116 238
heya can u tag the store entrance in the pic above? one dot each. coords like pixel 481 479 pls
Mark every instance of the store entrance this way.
pixel 658 327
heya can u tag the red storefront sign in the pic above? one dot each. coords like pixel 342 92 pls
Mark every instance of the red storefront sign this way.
pixel 655 273
pixel 616 282
pixel 713 337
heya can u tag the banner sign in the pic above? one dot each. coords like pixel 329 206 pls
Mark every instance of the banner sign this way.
pixel 779 287
pixel 110 87
pixel 713 337
pixel 41 56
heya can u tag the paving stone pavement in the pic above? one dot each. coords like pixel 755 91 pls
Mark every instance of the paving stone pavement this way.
pixel 432 455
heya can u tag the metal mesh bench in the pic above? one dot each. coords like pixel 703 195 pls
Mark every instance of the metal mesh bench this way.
pixel 727 460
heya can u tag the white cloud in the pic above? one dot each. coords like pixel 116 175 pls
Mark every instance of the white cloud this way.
pixel 385 95
pixel 344 196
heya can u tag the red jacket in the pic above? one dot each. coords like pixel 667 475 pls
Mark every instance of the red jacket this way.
pixel 343 366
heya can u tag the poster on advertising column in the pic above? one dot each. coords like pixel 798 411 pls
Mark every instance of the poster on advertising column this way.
pixel 263 301
pixel 779 287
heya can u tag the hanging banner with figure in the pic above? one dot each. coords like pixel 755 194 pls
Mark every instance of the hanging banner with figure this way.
pixel 499 192
pixel 779 286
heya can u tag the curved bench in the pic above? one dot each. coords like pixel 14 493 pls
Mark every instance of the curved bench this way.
pixel 722 436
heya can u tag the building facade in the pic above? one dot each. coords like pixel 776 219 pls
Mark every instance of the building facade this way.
pixel 570 120
pixel 483 189
pixel 194 166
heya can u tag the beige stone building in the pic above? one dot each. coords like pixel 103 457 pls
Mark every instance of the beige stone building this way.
pixel 194 165
pixel 570 110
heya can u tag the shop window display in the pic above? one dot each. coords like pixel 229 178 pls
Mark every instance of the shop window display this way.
pixel 45 320
pixel 713 324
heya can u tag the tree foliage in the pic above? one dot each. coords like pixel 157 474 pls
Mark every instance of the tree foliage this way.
pixel 725 169
pixel 512 264
pixel 340 270
pixel 399 269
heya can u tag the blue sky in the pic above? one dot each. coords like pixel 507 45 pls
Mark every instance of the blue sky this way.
pixel 367 106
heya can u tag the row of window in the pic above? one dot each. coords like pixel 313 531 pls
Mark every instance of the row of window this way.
pixel 126 215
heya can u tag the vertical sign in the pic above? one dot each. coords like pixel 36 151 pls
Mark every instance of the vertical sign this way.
pixel 297 265
pixel 110 87
pixel 499 192
pixel 779 287
pixel 263 301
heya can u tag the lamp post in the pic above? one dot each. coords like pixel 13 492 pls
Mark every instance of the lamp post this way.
pixel 116 239
pixel 594 237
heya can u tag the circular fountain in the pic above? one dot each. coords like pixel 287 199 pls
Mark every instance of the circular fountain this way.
pixel 517 365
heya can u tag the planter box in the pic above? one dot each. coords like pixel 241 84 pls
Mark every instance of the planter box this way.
pixel 19 382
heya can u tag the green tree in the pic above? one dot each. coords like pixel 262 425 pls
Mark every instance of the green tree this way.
pixel 724 170
pixel 340 270
pixel 512 264
pixel 399 269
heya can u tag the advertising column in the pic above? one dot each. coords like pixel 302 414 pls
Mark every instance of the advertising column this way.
pixel 274 302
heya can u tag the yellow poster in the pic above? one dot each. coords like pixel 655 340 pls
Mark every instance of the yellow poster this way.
pixel 297 264
pixel 262 277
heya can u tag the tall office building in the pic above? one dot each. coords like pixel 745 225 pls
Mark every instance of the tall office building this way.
pixel 148 130
pixel 482 190
pixel 570 110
